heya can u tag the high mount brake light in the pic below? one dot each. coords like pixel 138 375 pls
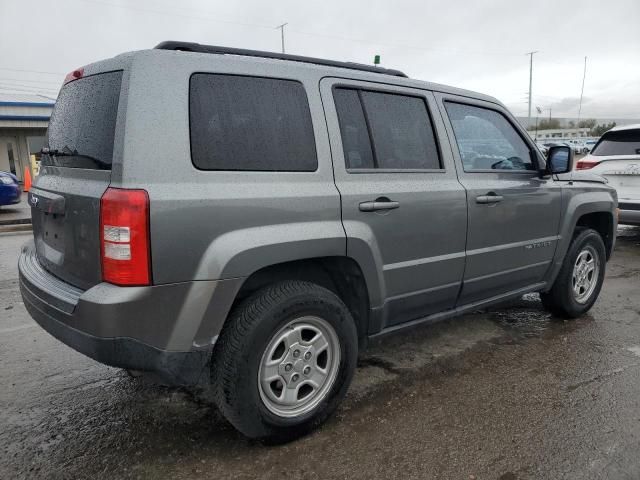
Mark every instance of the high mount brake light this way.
pixel 124 237
pixel 74 75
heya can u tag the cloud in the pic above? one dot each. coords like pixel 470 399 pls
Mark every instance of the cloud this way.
pixel 476 45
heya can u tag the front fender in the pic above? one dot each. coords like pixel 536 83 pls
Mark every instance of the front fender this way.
pixel 577 203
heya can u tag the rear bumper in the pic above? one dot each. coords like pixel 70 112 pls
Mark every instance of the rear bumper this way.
pixel 10 195
pixel 178 368
pixel 168 329
pixel 629 213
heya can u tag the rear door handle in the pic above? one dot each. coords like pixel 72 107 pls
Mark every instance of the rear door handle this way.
pixel 378 205
pixel 490 198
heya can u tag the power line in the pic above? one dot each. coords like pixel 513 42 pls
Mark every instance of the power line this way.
pixel 584 75
pixel 26 92
pixel 300 32
pixel 22 85
pixel 176 14
pixel 31 71
pixel 38 82
pixel 402 45
pixel 27 89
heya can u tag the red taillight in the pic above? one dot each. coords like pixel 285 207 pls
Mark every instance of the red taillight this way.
pixel 74 75
pixel 586 164
pixel 124 237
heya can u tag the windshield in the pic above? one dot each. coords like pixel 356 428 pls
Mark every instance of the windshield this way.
pixel 84 121
pixel 623 142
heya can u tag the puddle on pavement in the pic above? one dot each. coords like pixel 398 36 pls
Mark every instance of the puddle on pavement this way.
pixel 629 238
pixel 628 232
pixel 406 352
pixel 635 350
pixel 526 318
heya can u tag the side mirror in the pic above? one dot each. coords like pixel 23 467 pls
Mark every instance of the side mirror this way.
pixel 560 159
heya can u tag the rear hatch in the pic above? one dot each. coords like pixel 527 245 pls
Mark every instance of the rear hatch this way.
pixel 618 154
pixel 65 199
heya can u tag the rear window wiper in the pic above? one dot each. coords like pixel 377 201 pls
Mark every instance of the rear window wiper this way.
pixel 68 152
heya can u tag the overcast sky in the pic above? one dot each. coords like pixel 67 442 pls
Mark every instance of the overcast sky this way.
pixel 479 45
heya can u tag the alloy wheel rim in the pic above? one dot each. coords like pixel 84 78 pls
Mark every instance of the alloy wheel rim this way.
pixel 586 271
pixel 299 366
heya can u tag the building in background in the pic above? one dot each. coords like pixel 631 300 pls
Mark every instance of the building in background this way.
pixel 560 133
pixel 23 123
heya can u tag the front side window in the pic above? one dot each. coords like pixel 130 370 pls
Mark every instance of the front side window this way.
pixel 487 141
pixel 250 123
pixel 386 131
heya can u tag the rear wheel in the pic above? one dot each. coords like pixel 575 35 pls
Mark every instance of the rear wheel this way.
pixel 284 360
pixel 580 279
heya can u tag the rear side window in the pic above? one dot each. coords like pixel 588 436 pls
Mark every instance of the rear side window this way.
pixel 623 142
pixel 250 123
pixel 386 131
pixel 353 129
pixel 83 122
pixel 402 133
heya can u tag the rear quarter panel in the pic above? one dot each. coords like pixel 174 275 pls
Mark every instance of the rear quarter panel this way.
pixel 208 225
pixel 623 174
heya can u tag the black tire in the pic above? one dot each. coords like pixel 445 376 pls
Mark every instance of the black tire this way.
pixel 560 299
pixel 243 340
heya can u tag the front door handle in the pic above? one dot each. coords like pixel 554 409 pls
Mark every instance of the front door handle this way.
pixel 490 198
pixel 378 205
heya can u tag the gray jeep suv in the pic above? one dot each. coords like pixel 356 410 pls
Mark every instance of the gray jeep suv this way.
pixel 250 219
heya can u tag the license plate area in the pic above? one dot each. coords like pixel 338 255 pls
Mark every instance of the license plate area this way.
pixel 53 230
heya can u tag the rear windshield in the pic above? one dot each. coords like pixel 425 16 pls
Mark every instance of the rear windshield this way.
pixel 623 142
pixel 83 123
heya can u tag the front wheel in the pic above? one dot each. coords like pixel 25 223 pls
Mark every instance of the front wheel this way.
pixel 578 284
pixel 284 360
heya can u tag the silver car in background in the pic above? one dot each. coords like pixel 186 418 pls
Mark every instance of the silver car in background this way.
pixel 578 146
pixel 616 157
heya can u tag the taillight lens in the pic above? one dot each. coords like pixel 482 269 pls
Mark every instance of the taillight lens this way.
pixel 124 230
pixel 586 164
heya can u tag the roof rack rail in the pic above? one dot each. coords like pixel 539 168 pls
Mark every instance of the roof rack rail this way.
pixel 197 47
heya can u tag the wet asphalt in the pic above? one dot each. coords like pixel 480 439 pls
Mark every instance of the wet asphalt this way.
pixel 509 393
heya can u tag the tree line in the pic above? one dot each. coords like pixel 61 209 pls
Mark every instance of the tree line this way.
pixel 595 130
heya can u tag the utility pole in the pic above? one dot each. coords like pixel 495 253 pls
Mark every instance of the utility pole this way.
pixel 538 112
pixel 281 27
pixel 584 75
pixel 530 83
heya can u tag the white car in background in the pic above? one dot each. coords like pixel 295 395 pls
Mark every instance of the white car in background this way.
pixel 616 157
pixel 590 144
pixel 578 146
pixel 544 149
